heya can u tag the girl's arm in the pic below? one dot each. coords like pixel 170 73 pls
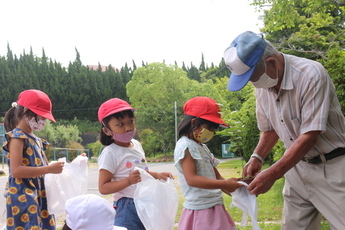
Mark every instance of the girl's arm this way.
pixel 218 176
pixel 194 180
pixel 161 175
pixel 106 186
pixel 18 170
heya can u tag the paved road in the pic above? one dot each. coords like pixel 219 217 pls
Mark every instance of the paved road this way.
pixel 92 182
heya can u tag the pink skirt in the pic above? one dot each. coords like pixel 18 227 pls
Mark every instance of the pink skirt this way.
pixel 215 218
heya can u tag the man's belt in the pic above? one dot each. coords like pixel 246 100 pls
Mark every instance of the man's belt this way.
pixel 333 154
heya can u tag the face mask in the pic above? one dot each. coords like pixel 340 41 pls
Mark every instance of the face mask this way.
pixel 125 137
pixel 265 81
pixel 35 124
pixel 203 136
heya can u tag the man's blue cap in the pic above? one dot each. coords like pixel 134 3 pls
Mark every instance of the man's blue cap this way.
pixel 241 58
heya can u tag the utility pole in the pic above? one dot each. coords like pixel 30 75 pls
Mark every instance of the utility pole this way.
pixel 175 108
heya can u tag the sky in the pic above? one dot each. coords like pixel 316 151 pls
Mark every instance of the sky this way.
pixel 115 32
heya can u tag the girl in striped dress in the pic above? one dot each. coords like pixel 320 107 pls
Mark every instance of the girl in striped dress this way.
pixel 201 183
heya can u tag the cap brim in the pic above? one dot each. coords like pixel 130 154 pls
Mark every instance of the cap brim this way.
pixel 237 82
pixel 216 120
pixel 44 114
pixel 224 126
pixel 115 110
pixel 50 117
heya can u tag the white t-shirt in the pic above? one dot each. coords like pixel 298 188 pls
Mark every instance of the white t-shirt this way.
pixel 120 161
pixel 197 198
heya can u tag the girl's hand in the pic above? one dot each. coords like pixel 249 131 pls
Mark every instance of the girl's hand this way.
pixel 231 185
pixel 164 176
pixel 56 167
pixel 134 177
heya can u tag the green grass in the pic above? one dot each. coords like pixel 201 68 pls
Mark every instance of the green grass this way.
pixel 269 204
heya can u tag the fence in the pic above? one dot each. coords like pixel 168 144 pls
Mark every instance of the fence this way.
pixel 69 152
pixel 2 140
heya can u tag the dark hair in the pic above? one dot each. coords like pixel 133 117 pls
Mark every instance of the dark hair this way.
pixel 14 115
pixel 108 140
pixel 65 227
pixel 185 128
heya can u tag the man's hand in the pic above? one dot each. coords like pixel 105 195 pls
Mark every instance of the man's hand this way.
pixel 262 182
pixel 252 167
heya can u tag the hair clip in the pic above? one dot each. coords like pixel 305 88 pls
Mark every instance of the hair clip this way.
pixel 14 104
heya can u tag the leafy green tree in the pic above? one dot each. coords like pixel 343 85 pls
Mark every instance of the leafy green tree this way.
pixel 149 140
pixel 153 90
pixel 239 113
pixel 193 73
pixel 60 135
pixel 334 63
pixel 307 28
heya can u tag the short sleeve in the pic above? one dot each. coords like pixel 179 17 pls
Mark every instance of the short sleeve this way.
pixel 106 160
pixel 181 146
pixel 215 162
pixel 45 143
pixel 15 133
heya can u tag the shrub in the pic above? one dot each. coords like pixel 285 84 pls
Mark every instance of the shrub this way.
pixel 150 142
pixel 95 148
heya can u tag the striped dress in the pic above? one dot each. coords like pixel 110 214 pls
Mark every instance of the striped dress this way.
pixel 197 198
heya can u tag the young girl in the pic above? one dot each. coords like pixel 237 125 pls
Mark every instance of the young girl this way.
pixel 26 202
pixel 118 159
pixel 200 181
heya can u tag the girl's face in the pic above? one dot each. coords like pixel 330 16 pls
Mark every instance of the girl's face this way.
pixel 35 123
pixel 203 133
pixel 121 125
pixel 41 118
pixel 204 126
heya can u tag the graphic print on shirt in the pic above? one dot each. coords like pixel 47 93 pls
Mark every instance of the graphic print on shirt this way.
pixel 136 162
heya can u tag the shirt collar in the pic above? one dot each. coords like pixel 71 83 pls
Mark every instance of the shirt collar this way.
pixel 287 77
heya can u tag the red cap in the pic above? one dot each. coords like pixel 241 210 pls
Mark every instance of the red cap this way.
pixel 112 106
pixel 37 101
pixel 205 108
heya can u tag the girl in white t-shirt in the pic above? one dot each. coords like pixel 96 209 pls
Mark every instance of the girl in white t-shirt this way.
pixel 200 180
pixel 118 159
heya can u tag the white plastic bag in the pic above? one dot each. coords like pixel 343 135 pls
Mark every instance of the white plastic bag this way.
pixel 70 183
pixel 156 202
pixel 242 199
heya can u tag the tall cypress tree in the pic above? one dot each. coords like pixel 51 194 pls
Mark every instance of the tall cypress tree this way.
pixel 202 64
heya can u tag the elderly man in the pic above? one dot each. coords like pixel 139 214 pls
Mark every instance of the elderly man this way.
pixel 296 103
